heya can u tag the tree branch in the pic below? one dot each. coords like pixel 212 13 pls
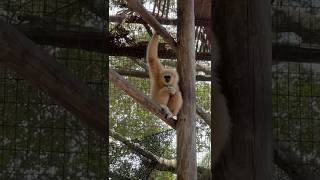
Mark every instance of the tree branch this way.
pixel 161 164
pixel 141 74
pixel 146 15
pixel 157 162
pixel 291 162
pixel 34 64
pixel 89 40
pixel 139 97
pixel 163 21
pixel 204 115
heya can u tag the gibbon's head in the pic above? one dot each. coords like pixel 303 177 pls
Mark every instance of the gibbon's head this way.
pixel 169 76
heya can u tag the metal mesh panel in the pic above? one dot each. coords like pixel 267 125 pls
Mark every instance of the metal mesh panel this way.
pixel 39 139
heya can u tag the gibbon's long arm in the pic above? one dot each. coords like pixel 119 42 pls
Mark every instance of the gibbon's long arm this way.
pixel 152 56
pixel 222 120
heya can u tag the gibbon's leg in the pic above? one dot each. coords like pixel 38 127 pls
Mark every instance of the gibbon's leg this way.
pixel 162 97
pixel 175 103
pixel 154 64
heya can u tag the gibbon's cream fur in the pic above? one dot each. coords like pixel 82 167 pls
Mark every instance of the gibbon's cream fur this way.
pixel 164 82
pixel 222 120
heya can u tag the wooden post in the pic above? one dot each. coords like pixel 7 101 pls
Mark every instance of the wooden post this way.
pixel 186 131
pixel 243 29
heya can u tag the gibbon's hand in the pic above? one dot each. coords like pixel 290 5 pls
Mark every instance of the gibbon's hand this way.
pixel 171 90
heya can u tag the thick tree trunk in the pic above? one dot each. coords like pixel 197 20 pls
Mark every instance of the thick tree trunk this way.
pixel 186 131
pixel 243 29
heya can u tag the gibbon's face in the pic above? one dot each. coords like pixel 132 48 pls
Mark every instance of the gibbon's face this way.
pixel 169 76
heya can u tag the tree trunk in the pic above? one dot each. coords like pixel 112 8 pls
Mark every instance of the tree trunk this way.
pixel 243 29
pixel 186 131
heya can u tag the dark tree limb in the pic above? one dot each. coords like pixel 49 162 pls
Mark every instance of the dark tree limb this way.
pixel 290 162
pixel 35 65
pixel 99 42
pixel 146 15
pixel 245 73
pixel 139 97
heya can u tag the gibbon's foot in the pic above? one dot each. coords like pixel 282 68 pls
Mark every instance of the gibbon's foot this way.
pixel 175 118
pixel 171 90
pixel 167 111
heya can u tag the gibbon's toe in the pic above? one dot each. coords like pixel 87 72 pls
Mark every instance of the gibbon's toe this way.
pixel 166 110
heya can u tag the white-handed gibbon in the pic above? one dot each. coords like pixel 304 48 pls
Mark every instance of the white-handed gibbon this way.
pixel 164 82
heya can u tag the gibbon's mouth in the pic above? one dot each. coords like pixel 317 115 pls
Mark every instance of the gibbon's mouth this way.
pixel 167 78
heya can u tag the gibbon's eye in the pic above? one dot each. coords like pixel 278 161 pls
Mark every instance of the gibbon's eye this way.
pixel 167 78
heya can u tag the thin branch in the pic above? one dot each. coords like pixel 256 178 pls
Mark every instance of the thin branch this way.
pixel 204 115
pixel 146 15
pixel 158 163
pixel 139 97
pixel 290 161
pixel 163 21
pixel 141 74
pixel 161 164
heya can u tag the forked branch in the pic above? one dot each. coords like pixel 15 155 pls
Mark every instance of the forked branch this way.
pixel 152 21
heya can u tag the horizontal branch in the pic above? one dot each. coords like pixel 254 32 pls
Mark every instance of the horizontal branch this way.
pixel 152 21
pixel 283 53
pixel 163 21
pixel 139 97
pixel 100 43
pixel 42 70
pixel 160 163
pixel 141 74
pixel 290 162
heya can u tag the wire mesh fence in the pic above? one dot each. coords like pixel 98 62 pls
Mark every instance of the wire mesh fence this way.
pixel 296 89
pixel 39 139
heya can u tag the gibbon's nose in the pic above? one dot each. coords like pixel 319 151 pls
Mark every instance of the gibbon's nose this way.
pixel 167 78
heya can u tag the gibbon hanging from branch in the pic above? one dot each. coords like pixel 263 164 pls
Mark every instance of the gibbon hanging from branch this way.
pixel 166 92
pixel 164 81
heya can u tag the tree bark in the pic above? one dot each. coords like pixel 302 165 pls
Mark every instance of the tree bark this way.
pixel 186 131
pixel 35 65
pixel 243 29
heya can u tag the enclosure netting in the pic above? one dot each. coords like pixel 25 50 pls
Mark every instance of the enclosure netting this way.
pixel 296 89
pixel 39 139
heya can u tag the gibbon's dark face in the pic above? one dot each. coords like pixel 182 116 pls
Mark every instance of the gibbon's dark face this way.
pixel 169 76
